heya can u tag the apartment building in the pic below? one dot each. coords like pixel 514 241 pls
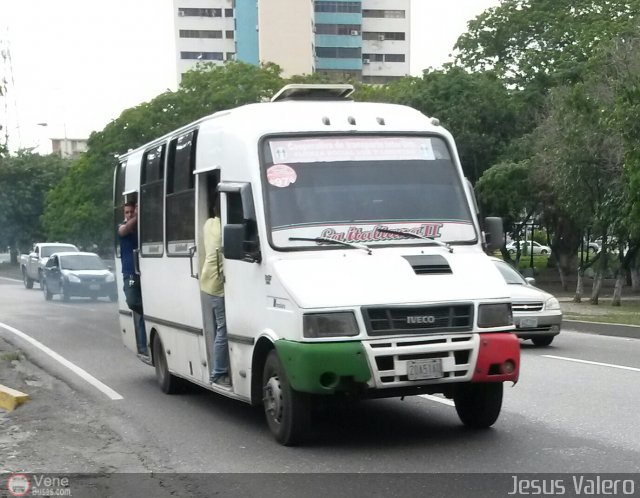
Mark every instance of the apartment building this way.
pixel 69 148
pixel 204 31
pixel 366 40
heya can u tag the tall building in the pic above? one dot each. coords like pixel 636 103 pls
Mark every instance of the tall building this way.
pixel 367 39
pixel 205 31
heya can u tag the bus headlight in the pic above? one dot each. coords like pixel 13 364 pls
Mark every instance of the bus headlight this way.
pixel 339 324
pixel 495 315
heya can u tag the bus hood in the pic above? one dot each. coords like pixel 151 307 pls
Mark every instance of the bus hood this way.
pixel 361 279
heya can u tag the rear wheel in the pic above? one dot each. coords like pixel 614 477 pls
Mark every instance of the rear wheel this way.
pixel 169 383
pixel 45 290
pixel 28 282
pixel 478 404
pixel 544 340
pixel 288 412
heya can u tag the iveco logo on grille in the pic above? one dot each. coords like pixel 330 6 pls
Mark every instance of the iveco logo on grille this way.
pixel 429 319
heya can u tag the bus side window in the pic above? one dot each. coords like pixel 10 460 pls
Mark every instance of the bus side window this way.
pixel 150 205
pixel 180 201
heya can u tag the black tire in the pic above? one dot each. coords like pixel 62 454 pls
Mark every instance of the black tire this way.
pixel 543 340
pixel 66 297
pixel 512 251
pixel 288 412
pixel 478 405
pixel 543 252
pixel 169 383
pixel 28 282
pixel 45 290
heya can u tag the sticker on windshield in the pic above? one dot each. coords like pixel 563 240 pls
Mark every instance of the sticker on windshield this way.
pixel 281 175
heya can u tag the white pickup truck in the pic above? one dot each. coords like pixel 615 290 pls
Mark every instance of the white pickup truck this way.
pixel 32 264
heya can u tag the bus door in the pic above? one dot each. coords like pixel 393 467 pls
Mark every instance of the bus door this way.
pixel 206 186
pixel 168 266
pixel 124 179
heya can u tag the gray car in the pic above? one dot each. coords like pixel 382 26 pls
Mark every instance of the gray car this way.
pixel 536 313
pixel 81 274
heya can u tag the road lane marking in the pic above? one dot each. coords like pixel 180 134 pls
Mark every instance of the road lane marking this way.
pixel 437 399
pixel 621 367
pixel 83 374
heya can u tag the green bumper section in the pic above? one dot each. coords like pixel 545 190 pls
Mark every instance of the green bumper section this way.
pixel 324 368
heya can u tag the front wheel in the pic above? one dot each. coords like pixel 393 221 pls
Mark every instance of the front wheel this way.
pixel 478 404
pixel 288 412
pixel 28 282
pixel 45 290
pixel 544 340
pixel 66 297
pixel 169 383
pixel 544 252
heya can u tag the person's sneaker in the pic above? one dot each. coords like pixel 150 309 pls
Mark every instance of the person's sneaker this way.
pixel 145 358
pixel 222 381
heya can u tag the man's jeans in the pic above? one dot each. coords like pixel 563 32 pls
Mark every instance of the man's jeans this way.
pixel 214 319
pixel 133 296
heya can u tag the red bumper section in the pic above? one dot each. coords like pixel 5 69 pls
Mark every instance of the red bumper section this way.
pixel 498 358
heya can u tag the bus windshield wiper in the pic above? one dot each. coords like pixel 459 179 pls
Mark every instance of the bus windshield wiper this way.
pixel 319 240
pixel 415 236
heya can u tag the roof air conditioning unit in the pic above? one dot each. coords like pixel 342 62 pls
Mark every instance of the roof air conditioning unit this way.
pixel 381 37
pixel 355 32
pixel 366 61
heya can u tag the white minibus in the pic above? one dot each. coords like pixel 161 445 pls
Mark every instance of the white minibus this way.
pixel 354 259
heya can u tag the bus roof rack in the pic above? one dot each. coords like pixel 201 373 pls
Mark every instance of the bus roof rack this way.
pixel 300 91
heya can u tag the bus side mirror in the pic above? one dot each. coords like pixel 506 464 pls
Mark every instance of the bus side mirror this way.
pixel 494 233
pixel 233 241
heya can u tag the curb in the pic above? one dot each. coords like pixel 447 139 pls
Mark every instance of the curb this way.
pixel 10 399
pixel 599 328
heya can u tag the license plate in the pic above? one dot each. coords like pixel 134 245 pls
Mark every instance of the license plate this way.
pixel 528 322
pixel 424 369
pixel 94 286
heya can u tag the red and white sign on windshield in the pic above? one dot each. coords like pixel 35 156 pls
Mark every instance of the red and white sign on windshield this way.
pixel 334 149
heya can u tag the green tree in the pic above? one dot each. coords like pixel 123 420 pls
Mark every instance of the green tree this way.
pixel 543 42
pixel 24 181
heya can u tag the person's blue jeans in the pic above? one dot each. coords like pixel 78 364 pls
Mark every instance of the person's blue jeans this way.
pixel 133 296
pixel 214 307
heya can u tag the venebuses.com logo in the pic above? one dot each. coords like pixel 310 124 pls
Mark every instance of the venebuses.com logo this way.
pixel 18 485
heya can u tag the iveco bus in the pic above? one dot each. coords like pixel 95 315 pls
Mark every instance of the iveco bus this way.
pixel 354 259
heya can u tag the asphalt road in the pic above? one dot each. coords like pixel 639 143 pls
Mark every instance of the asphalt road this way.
pixel 575 409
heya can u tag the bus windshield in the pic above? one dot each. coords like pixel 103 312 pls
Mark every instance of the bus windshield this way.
pixel 347 187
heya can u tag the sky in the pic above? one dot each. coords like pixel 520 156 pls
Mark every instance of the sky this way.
pixel 75 65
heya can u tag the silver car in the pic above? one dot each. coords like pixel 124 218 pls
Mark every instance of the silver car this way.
pixel 536 313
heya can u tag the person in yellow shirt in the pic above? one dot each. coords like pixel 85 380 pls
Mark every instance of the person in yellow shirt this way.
pixel 212 291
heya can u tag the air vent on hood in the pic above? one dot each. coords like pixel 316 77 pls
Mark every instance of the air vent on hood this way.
pixel 432 264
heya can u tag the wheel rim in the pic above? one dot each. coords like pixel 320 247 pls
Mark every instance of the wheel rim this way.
pixel 272 399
